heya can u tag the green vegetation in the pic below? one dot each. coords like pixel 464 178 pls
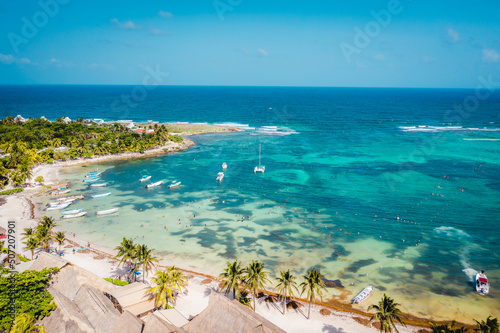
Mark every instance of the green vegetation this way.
pixel 165 283
pixel 312 284
pixel 39 140
pixel 117 282
pixel 25 293
pixel 39 180
pixel 136 256
pixel 387 312
pixel 41 236
pixel 490 325
pixel 232 277
pixel 286 285
pixel 11 191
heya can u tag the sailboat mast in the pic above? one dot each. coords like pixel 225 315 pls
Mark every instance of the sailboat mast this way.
pixel 259 154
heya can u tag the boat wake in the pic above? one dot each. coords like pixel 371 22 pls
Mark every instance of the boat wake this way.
pixel 463 245
pixel 426 128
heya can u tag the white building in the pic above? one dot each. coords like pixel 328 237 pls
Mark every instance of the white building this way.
pixel 66 120
pixel 19 119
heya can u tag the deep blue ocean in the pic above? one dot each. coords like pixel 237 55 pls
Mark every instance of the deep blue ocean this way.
pixel 372 185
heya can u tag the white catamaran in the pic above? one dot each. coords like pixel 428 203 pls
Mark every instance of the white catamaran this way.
pixel 260 167
pixel 220 176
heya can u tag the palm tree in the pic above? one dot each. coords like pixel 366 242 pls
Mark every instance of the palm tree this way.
pixel 162 288
pixel 144 258
pixel 232 276
pixel 44 236
pixel 48 222
pixel 126 252
pixel 28 233
pixel 244 299
pixel 60 237
pixel 488 326
pixel 448 328
pixel 286 284
pixel 177 278
pixel 255 277
pixel 31 244
pixel 313 283
pixel 387 312
pixel 24 323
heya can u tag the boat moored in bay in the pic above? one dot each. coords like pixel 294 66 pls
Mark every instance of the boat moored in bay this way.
pixel 158 183
pixel 107 211
pixel 364 294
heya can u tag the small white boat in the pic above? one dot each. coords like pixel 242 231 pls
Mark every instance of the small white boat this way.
pixel 72 216
pixel 57 207
pixel 177 184
pixel 364 294
pixel 145 178
pixel 220 176
pixel 106 212
pixel 260 167
pixel 91 180
pixel 224 166
pixel 482 285
pixel 59 203
pixel 93 175
pixel 154 184
pixel 101 195
pixel 59 192
pixel 73 211
pixel 99 185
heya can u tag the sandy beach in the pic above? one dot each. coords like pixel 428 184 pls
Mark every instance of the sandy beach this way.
pixel 99 260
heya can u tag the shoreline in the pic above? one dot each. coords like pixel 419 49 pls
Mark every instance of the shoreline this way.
pixel 52 172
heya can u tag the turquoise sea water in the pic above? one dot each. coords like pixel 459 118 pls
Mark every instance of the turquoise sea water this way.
pixel 372 186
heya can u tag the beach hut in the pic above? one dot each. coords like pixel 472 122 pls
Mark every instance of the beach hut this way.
pixel 225 316
pixel 134 298
pixel 6 260
pixel 154 324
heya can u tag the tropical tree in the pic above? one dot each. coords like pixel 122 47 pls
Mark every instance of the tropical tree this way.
pixel 39 180
pixel 48 222
pixel 44 236
pixel 24 323
pixel 447 328
pixel 312 284
pixel 145 258
pixel 162 289
pixel 232 276
pixel 177 278
pixel 127 253
pixel 387 312
pixel 60 237
pixel 28 233
pixel 244 299
pixel 31 244
pixel 255 277
pixel 488 326
pixel 286 285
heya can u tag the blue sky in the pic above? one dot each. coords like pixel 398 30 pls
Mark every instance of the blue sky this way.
pixel 259 43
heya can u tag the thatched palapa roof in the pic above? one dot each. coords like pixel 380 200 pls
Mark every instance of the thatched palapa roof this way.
pixel 133 297
pixel 225 316
pixel 46 260
pixel 128 323
pixel 153 324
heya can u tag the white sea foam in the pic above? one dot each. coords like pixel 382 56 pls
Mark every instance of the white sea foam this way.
pixel 452 232
pixel 425 128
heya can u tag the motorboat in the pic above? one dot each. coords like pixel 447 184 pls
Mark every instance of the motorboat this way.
pixel 93 175
pixel 154 184
pixel 145 178
pixel 72 216
pixel 224 166
pixel 59 192
pixel 107 211
pixel 58 203
pixel 364 294
pixel 220 176
pixel 482 285
pixel 101 195
pixel 174 184
pixel 99 185
pixel 91 180
pixel 57 207
pixel 260 167
pixel 70 212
